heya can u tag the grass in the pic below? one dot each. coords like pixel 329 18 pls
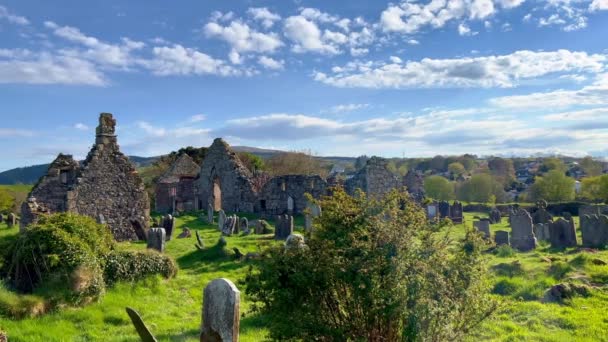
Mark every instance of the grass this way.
pixel 172 309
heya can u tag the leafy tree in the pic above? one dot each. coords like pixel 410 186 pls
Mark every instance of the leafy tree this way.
pixel 6 201
pixel 554 186
pixel 438 163
pixel 252 162
pixel 402 170
pixel 481 188
pixel 595 188
pixel 438 188
pixel 591 167
pixel 372 271
pixel 456 169
pixel 550 164
pixel 392 167
pixel 502 169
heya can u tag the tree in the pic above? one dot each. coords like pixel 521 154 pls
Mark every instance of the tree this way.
pixel 439 188
pixel 481 188
pixel 252 162
pixel 554 186
pixel 6 201
pixel 372 271
pixel 595 188
pixel 456 169
pixel 360 162
pixel 591 167
pixel 550 164
pixel 503 170
pixel 438 163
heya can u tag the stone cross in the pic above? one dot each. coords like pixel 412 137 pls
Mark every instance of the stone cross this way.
pixel 501 237
pixel 221 312
pixel 209 213
pixel 483 227
pixel 522 233
pixel 221 219
pixel 156 239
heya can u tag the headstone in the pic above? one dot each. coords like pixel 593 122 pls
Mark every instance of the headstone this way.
pixel 483 227
pixel 432 210
pixel 594 229
pixel 501 237
pixel 186 233
pixel 542 232
pixel 229 225
pixel 541 215
pixel 221 312
pixel 156 239
pixel 102 220
pixel 495 216
pixel 313 211
pixel 522 233
pixel 261 227
pixel 444 209
pixel 209 214
pixel 244 225
pixel 456 213
pixel 284 227
pixel 221 219
pixel 11 220
pixel 295 241
pixel 169 224
pixel 563 233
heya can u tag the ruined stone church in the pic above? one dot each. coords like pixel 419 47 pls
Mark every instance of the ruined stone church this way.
pixel 105 187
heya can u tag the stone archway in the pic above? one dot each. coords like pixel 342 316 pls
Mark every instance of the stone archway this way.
pixel 217 194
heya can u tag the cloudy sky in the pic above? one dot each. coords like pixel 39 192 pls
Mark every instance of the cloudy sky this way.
pixel 411 78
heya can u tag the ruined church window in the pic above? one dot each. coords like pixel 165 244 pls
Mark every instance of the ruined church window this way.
pixel 63 176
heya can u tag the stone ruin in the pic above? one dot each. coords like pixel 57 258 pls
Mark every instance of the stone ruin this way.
pixel 414 182
pixel 286 194
pixel 221 312
pixel 522 234
pixel 175 189
pixel 283 227
pixel 106 186
pixel 375 179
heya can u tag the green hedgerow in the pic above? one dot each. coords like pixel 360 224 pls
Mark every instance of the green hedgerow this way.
pixel 137 265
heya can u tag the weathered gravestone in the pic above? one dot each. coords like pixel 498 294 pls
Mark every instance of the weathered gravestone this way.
pixel 483 227
pixel 221 219
pixel 594 229
pixel 230 223
pixel 262 227
pixel 456 213
pixel 432 210
pixel 314 210
pixel 244 225
pixel 541 231
pixel 284 227
pixel 209 214
pixel 541 215
pixel 156 239
pixel 563 233
pixel 169 224
pixel 221 312
pixel 522 234
pixel 495 216
pixel 11 220
pixel 501 237
pixel 444 209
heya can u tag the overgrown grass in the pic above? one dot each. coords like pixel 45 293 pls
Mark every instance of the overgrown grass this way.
pixel 172 308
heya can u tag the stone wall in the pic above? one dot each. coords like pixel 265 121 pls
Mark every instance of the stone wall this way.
pixel 374 179
pixel 280 192
pixel 107 187
pixel 177 187
pixel 224 181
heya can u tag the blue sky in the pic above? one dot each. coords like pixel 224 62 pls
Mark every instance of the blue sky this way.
pixel 412 78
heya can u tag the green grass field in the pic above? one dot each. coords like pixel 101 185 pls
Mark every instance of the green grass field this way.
pixel 172 308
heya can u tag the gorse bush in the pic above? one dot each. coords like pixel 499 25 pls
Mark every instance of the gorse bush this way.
pixel 373 271
pixel 137 265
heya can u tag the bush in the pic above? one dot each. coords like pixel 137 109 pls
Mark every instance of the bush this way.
pixel 504 251
pixel 373 270
pixel 137 265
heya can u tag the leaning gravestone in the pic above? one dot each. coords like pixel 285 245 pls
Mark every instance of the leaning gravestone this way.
pixel 483 227
pixel 444 209
pixel 594 229
pixel 221 219
pixel 11 220
pixel 284 227
pixel 501 237
pixel 221 312
pixel 244 225
pixel 542 232
pixel 563 234
pixel 156 239
pixel 522 233
pixel 169 224
pixel 209 214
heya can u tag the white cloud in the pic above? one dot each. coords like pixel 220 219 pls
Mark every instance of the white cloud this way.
pixel 348 107
pixel 82 127
pixel 579 115
pixel 481 9
pixel 464 30
pixel 599 5
pixel 5 14
pixel 242 38
pixel 510 3
pixel 270 63
pixel 265 16
pixel 179 60
pixel 306 36
pixel 487 71
pixel 198 118
pixel 412 42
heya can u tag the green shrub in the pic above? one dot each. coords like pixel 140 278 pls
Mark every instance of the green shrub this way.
pixel 373 271
pixel 137 265
pixel 504 251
